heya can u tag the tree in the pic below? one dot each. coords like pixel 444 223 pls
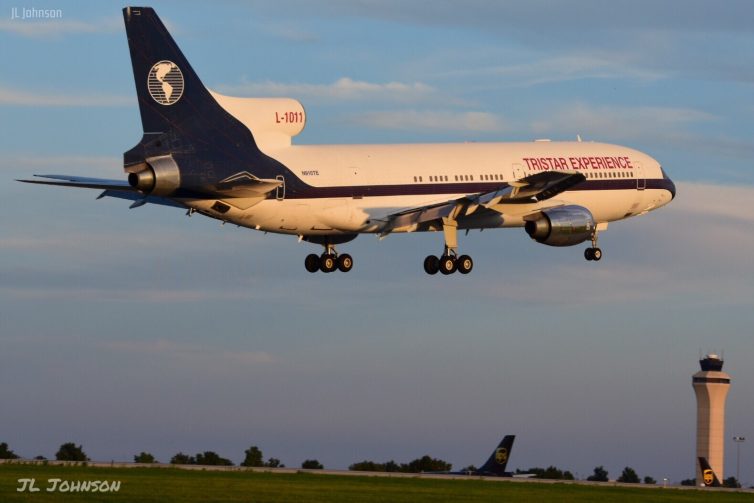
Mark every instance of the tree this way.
pixel 551 472
pixel 367 466
pixel 144 457
pixel 312 464
pixel 426 464
pixel 392 466
pixel 253 457
pixel 649 480
pixel 688 482
pixel 274 463
pixel 629 476
pixel 70 452
pixel 6 453
pixel 600 475
pixel 212 459
pixel 731 482
pixel 182 459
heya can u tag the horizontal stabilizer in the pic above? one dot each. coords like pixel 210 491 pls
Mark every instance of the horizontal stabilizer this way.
pixel 82 182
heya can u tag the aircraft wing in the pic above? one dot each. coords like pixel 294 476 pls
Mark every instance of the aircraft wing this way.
pixel 530 189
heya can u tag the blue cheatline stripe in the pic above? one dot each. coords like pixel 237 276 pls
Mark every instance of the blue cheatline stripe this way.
pixel 310 192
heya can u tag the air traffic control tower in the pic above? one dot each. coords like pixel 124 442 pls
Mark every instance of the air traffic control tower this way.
pixel 711 387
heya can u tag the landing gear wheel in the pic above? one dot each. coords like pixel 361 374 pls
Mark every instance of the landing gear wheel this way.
pixel 465 264
pixel 345 262
pixel 431 264
pixel 311 263
pixel 328 262
pixel 593 254
pixel 447 264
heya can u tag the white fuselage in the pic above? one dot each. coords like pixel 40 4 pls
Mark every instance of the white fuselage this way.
pixel 618 183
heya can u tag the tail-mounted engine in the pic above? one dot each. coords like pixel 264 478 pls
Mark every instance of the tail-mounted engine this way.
pixel 562 226
pixel 157 176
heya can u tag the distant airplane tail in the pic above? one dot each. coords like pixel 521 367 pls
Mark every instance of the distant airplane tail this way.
pixel 708 475
pixel 498 460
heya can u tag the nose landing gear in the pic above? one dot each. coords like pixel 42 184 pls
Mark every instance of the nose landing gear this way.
pixel 593 253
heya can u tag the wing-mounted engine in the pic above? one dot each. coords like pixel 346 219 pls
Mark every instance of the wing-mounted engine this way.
pixel 561 226
pixel 157 176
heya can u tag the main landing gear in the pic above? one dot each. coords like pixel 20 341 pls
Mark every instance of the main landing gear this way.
pixel 449 262
pixel 328 261
pixel 593 253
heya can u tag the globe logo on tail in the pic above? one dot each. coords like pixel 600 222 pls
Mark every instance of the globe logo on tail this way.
pixel 165 82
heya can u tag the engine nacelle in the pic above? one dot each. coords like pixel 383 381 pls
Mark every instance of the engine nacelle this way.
pixel 563 226
pixel 160 176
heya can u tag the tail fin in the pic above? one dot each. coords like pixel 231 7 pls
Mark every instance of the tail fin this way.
pixel 497 462
pixel 172 99
pixel 708 475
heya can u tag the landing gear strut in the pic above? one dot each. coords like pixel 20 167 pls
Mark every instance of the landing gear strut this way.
pixel 328 261
pixel 449 262
pixel 593 253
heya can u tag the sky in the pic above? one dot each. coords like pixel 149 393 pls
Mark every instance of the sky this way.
pixel 143 330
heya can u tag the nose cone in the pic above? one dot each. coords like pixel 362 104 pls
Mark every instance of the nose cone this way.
pixel 668 184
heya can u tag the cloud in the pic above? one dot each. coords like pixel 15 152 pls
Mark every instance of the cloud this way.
pixel 343 89
pixel 188 353
pixel 58 27
pixel 660 126
pixel 98 164
pixel 431 120
pixel 625 122
pixel 291 33
pixel 695 251
pixel 23 98
pixel 562 68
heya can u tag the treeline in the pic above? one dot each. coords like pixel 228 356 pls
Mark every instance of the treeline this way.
pixel 253 457
pixel 422 464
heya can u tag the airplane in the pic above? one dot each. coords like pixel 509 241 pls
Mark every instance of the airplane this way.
pixel 495 464
pixel 498 460
pixel 232 159
pixel 709 478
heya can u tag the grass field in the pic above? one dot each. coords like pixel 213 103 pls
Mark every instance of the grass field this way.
pixel 172 484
